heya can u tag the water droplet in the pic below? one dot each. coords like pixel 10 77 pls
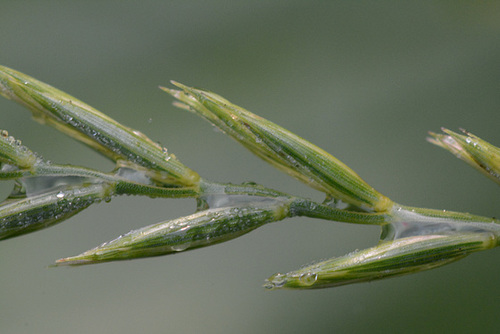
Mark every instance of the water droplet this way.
pixel 308 279
pixel 60 195
pixel 181 247
pixel 4 133
pixel 278 280
pixel 150 120
pixel 269 285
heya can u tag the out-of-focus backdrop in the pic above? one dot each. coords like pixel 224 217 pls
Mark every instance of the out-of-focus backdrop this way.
pixel 363 80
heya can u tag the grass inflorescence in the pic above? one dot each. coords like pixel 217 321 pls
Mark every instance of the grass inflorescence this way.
pixel 412 239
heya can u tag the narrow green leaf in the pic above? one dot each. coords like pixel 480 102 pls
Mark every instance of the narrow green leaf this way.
pixel 201 229
pixel 25 215
pixel 394 258
pixel 473 150
pixel 283 149
pixel 77 119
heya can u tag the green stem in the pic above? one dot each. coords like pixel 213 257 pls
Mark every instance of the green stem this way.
pixel 297 207
pixel 308 208
pixel 122 186
pixel 248 189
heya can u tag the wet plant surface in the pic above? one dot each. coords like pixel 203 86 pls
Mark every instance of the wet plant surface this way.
pixel 413 239
pixel 364 81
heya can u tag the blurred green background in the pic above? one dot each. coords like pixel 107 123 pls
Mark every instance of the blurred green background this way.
pixel 363 80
